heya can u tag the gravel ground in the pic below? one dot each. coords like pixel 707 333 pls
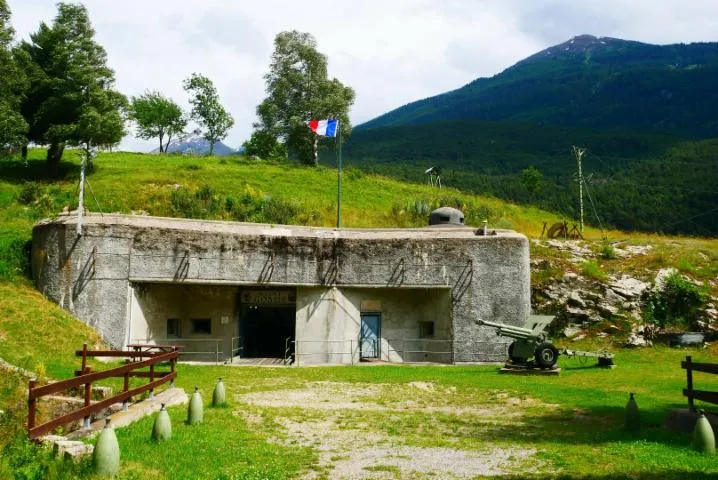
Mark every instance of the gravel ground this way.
pixel 359 452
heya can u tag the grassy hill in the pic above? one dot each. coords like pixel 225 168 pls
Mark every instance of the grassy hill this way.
pixel 639 181
pixel 639 109
pixel 583 407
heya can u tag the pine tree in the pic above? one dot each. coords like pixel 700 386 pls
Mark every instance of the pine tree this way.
pixel 13 128
pixel 70 100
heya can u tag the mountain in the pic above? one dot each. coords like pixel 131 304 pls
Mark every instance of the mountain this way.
pixel 644 113
pixel 588 81
pixel 196 145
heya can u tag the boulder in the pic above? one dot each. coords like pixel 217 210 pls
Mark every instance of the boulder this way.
pixel 628 287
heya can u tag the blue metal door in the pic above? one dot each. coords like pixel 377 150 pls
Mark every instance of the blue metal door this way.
pixel 370 335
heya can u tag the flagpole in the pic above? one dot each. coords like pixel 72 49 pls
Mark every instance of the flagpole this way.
pixel 339 180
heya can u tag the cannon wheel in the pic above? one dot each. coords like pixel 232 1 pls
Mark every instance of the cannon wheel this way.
pixel 546 355
pixel 515 360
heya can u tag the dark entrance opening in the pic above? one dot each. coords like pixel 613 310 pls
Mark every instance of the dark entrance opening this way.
pixel 266 328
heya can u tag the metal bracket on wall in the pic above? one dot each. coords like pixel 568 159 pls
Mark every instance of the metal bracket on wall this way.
pixel 463 282
pixel 182 271
pixel 86 274
pixel 267 269
pixel 398 275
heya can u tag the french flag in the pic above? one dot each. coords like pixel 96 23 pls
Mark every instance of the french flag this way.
pixel 325 128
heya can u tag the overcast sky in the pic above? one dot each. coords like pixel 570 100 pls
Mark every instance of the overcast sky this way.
pixel 390 51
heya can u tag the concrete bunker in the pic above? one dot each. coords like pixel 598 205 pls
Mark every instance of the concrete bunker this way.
pixel 228 291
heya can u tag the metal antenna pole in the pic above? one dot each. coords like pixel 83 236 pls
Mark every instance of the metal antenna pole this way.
pixel 80 205
pixel 339 180
pixel 578 152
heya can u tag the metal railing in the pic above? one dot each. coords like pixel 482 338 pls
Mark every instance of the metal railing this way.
pixel 236 348
pixel 300 354
pixel 420 350
pixel 409 350
pixel 199 349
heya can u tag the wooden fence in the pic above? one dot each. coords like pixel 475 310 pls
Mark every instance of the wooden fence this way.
pixel 137 359
pixel 689 391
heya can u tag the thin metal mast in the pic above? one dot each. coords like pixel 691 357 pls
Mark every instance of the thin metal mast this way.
pixel 578 152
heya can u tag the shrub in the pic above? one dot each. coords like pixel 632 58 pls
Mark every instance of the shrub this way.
pixel 182 202
pixel 202 203
pixel 14 254
pixel 353 173
pixel 30 192
pixel 678 304
pixel 24 460
pixel 279 211
pixel 593 270
pixel 607 252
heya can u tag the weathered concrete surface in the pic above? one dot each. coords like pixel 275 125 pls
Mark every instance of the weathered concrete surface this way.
pixel 94 275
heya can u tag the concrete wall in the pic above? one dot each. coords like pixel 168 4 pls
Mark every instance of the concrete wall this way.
pixel 329 320
pixel 153 304
pixel 327 327
pixel 486 276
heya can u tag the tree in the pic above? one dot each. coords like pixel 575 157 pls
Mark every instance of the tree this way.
pixel 13 128
pixel 157 116
pixel 264 145
pixel 532 180
pixel 70 98
pixel 298 90
pixel 206 109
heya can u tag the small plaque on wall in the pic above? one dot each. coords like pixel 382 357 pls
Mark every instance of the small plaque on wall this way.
pixel 370 306
pixel 224 320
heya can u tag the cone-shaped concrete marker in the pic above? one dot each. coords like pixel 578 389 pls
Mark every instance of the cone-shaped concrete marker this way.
pixel 633 416
pixel 106 456
pixel 218 396
pixel 162 429
pixel 195 412
pixel 704 439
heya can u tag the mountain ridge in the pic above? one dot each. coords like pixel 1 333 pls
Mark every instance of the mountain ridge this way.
pixel 589 81
pixel 194 144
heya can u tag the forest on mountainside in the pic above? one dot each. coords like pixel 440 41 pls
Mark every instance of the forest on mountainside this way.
pixel 637 181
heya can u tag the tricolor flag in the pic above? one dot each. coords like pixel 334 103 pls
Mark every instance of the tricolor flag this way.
pixel 325 128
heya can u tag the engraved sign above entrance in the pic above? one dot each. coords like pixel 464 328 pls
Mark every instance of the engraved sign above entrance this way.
pixel 269 297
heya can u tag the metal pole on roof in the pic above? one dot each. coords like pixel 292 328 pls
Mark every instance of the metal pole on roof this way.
pixel 339 180
pixel 80 204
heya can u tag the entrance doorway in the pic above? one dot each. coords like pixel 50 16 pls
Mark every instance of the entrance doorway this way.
pixel 267 319
pixel 370 336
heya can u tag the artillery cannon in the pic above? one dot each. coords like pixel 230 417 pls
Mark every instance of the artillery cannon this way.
pixel 532 340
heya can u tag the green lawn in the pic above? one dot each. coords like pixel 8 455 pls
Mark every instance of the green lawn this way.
pixel 571 424
pixel 319 422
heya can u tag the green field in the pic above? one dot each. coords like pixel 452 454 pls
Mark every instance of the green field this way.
pixel 415 421
pixel 366 421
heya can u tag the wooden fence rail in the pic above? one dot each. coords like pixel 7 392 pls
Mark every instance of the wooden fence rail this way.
pixel 85 378
pixel 689 391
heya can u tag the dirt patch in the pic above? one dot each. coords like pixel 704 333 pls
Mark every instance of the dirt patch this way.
pixel 351 454
pixel 351 448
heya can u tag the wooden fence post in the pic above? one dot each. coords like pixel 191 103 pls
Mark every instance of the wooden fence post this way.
pixel 88 398
pixel 31 406
pixel 173 361
pixel 84 358
pixel 126 387
pixel 152 379
pixel 689 382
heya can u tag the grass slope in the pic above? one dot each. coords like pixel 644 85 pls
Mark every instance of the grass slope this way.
pixel 579 437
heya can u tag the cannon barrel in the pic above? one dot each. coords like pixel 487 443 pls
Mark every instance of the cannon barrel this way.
pixel 511 331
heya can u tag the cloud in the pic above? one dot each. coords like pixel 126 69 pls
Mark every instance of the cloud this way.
pixel 390 52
